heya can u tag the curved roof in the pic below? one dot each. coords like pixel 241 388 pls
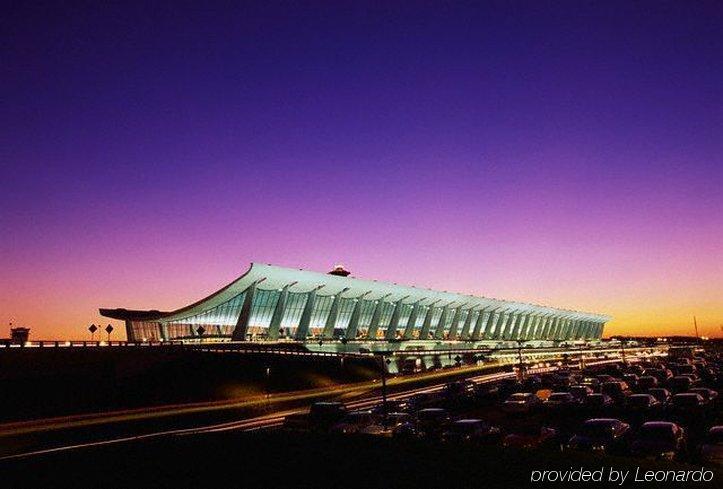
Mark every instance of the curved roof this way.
pixel 269 277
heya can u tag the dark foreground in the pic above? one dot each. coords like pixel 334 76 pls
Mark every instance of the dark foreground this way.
pixel 281 459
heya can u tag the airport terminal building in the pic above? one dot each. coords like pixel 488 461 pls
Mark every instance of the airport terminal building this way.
pixel 270 303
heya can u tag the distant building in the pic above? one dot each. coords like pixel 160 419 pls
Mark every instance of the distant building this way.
pixel 270 303
pixel 19 335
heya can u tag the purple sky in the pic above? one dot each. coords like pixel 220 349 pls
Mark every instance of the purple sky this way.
pixel 566 153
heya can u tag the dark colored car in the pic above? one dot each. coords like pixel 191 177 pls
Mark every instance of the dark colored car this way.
pixel 688 404
pixel 631 380
pixel 393 406
pixel 661 394
pixel 431 421
pixel 659 439
pixel 472 431
pixel 561 401
pixel 709 395
pixel 598 402
pixel 711 451
pixel 679 383
pixel 618 390
pixel 532 437
pixel 646 382
pixel 322 415
pixel 602 435
pixel 521 402
pixel 580 392
pixel 642 403
pixel 662 374
pixel 422 400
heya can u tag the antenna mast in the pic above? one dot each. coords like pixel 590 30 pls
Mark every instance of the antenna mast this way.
pixel 695 323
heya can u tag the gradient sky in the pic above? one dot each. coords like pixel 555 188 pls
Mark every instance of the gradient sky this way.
pixel 564 153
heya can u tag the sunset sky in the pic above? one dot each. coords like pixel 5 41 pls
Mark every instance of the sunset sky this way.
pixel 563 153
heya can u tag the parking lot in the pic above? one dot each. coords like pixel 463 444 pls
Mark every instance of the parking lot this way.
pixel 664 408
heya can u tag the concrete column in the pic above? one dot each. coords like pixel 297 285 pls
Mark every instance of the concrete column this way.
pixel 484 329
pixel 545 327
pixel 568 329
pixel 409 329
pixel 464 334
pixel 518 326
pixel 508 325
pixel 374 324
pixel 391 332
pixel 279 310
pixel 561 327
pixel 427 325
pixel 303 330
pixel 499 325
pixel 534 327
pixel 439 329
pixel 328 332
pixel 560 330
pixel 455 323
pixel 480 322
pixel 527 327
pixel 242 324
pixel 552 327
pixel 353 326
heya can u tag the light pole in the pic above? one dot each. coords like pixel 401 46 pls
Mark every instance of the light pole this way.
pixel 519 360
pixel 385 361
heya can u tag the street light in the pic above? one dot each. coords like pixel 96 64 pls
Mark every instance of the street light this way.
pixel 385 361
pixel 519 360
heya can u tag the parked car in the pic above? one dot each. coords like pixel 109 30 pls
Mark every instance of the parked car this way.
pixel 521 402
pixel 591 382
pixel 679 383
pixel 386 425
pixel 603 435
pixel 662 374
pixel 580 392
pixel 711 451
pixel 422 400
pixel 393 406
pixel 354 422
pixel 661 394
pixel 471 430
pixel 688 404
pixel 322 415
pixel 709 395
pixel 296 421
pixel 642 403
pixel 431 421
pixel 631 380
pixel 660 440
pixel 618 390
pixel 598 402
pixel 560 401
pixel 531 437
pixel 646 382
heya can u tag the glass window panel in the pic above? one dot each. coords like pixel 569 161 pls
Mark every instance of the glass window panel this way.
pixel 346 307
pixel 365 314
pixel 294 308
pixel 404 312
pixel 263 307
pixel 385 316
pixel 322 308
